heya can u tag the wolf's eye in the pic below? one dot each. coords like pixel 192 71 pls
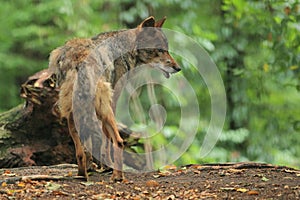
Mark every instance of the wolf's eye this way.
pixel 161 50
pixel 150 51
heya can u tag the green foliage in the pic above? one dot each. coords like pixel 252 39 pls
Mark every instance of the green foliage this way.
pixel 262 42
pixel 255 44
pixel 31 29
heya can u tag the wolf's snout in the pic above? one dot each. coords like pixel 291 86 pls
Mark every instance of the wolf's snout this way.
pixel 177 68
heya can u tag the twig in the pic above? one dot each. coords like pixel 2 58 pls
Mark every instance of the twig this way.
pixel 38 177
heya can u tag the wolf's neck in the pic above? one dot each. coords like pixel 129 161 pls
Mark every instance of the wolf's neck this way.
pixel 117 45
pixel 115 52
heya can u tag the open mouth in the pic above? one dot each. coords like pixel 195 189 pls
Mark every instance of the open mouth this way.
pixel 165 73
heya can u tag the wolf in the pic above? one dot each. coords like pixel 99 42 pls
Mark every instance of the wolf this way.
pixel 87 70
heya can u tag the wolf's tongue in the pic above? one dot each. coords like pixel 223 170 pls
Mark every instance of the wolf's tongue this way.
pixel 166 74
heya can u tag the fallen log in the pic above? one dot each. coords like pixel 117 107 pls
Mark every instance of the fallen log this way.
pixel 33 133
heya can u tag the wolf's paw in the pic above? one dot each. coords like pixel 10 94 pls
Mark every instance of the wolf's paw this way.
pixel 117 176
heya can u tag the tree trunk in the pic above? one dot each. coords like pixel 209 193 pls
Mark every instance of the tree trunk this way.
pixel 33 134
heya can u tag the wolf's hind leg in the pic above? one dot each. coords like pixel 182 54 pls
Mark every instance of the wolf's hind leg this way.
pixel 80 153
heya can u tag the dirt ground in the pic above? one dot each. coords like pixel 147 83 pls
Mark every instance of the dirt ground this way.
pixel 214 181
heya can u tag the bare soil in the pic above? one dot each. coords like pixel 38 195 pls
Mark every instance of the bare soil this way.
pixel 213 181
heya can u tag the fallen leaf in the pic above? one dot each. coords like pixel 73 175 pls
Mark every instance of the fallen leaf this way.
pixel 180 171
pixel 21 184
pixel 152 183
pixel 101 196
pixel 290 171
pixel 88 183
pixel 9 174
pixel 170 167
pixel 136 197
pixel 253 192
pixel 159 192
pixel 196 167
pixel 119 193
pixel 164 173
pixel 235 171
pixel 145 192
pixel 10 192
pixel 70 173
pixel 264 178
pixel 243 190
pixel 171 197
pixel 109 186
pixel 156 175
pixel 4 184
pixel 183 168
pixel 125 181
pixel 52 186
pixel 56 192
pixel 206 194
pixel 100 183
pixel 228 189
pixel 295 188
pixel 224 173
pixel 137 188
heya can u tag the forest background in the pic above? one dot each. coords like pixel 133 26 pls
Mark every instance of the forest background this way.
pixel 255 45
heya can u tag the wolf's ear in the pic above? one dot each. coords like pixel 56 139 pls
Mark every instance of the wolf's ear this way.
pixel 148 22
pixel 160 22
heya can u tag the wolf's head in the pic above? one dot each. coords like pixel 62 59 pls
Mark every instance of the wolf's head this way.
pixel 152 47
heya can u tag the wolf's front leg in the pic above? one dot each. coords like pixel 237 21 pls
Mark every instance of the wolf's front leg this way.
pixel 118 161
pixel 118 146
pixel 106 161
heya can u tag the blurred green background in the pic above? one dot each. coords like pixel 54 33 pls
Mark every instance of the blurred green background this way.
pixel 255 44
